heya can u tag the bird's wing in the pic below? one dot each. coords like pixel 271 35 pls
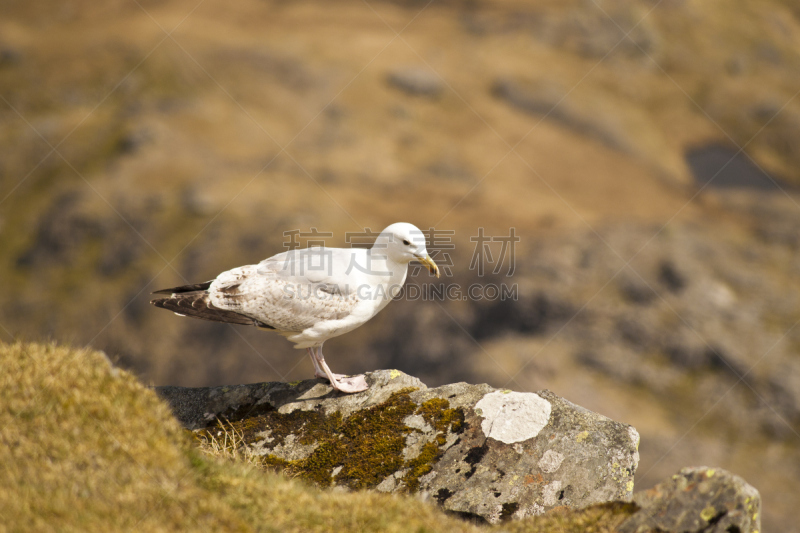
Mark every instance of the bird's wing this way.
pixel 291 291
pixel 333 266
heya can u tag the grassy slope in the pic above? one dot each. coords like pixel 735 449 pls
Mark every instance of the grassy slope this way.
pixel 91 449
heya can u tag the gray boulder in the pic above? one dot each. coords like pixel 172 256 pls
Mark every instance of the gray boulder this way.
pixel 478 451
pixel 697 499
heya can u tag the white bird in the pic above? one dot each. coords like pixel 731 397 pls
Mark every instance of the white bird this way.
pixel 309 295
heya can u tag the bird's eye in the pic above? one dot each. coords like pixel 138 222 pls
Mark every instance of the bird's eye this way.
pixel 406 242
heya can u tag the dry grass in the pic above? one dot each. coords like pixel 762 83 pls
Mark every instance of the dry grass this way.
pixel 88 448
pixel 227 443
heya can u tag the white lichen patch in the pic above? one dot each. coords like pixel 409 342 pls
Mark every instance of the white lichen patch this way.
pixel 522 513
pixel 427 478
pixel 414 444
pixel 532 510
pixel 290 449
pixel 417 422
pixel 392 482
pixel 550 461
pixel 264 437
pixel 514 416
pixel 634 436
pixel 550 493
pixel 387 485
pixel 291 407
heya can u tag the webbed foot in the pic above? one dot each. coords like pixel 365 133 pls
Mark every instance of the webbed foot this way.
pixel 350 384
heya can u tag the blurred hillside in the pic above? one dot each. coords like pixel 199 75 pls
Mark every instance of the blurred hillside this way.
pixel 647 154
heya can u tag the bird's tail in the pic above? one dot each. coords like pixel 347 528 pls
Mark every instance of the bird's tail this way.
pixel 186 288
pixel 194 301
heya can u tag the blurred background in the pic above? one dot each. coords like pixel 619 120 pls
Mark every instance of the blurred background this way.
pixel 646 153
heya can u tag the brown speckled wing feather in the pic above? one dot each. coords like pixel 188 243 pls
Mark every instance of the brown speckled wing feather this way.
pixel 196 304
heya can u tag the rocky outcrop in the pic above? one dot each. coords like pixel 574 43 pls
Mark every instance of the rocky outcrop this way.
pixel 478 451
pixel 697 499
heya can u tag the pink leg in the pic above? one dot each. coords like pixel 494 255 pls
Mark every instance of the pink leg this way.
pixel 318 372
pixel 339 382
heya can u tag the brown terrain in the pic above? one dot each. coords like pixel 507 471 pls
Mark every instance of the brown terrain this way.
pixel 647 154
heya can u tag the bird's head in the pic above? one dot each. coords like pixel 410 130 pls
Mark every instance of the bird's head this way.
pixel 402 242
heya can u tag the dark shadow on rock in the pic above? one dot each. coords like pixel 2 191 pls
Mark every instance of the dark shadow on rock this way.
pixel 202 407
pixel 722 167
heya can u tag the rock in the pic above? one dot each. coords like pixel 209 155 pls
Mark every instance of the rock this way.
pixel 715 166
pixel 416 82
pixel 697 499
pixel 479 452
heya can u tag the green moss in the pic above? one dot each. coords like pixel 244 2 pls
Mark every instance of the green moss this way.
pixel 367 446
pixel 272 461
pixel 443 419
pixel 362 450
pixel 440 416
pixel 372 442
pixel 421 465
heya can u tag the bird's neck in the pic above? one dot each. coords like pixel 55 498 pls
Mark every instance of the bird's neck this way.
pixel 382 266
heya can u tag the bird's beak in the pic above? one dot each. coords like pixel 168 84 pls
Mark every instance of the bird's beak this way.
pixel 429 264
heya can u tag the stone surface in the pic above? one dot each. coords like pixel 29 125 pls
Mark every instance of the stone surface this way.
pixel 416 81
pixel 478 451
pixel 697 499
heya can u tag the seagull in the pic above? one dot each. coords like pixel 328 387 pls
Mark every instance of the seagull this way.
pixel 309 295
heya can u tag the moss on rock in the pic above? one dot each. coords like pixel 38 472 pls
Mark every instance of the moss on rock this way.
pixel 443 419
pixel 440 416
pixel 421 465
pixel 359 451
